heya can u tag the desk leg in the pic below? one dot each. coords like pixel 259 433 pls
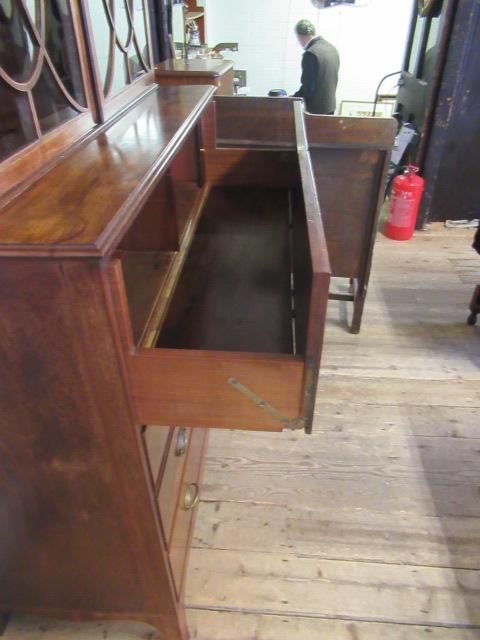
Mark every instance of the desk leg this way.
pixel 474 306
pixel 359 292
pixel 4 618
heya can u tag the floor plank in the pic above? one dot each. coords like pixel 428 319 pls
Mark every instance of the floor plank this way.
pixel 291 584
pixel 223 625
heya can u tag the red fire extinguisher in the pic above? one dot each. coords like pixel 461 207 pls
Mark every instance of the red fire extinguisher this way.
pixel 407 192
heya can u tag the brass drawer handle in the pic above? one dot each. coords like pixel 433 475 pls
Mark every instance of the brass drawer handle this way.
pixel 191 497
pixel 182 442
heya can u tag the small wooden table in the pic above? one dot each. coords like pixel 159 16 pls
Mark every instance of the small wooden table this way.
pixel 216 72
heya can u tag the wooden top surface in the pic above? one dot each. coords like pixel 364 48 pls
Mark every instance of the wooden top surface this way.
pixel 84 204
pixel 212 67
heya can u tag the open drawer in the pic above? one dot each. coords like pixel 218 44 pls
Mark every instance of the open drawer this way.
pixel 240 309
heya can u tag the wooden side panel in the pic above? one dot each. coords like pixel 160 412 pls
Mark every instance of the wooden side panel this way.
pixel 349 158
pixel 175 386
pixel 351 132
pixel 251 167
pixel 78 535
pixel 155 228
pixel 320 279
pixel 347 182
pixel 253 121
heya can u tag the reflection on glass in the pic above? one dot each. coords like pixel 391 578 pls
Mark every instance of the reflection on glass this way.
pixel 16 121
pixel 112 60
pixel 122 25
pixel 18 49
pixel 140 29
pixel 416 44
pixel 62 49
pixel 32 9
pixel 136 68
pixel 101 35
pixel 51 105
pixel 119 79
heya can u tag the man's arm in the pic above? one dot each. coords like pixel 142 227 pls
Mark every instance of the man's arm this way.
pixel 309 76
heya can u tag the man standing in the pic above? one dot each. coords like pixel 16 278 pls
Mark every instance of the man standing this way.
pixel 320 64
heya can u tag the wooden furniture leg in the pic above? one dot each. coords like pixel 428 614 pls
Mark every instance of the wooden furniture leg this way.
pixel 359 294
pixel 474 306
pixel 4 619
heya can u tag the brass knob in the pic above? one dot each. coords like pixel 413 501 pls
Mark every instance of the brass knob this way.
pixel 191 496
pixel 182 441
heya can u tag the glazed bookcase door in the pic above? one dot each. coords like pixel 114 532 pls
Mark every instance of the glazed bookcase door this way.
pixel 44 83
pixel 121 47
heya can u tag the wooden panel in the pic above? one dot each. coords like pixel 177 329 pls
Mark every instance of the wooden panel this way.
pixel 252 167
pixel 350 132
pixel 347 182
pixel 144 274
pixel 184 518
pixel 71 494
pixel 155 228
pixel 85 204
pixel 234 291
pixel 175 386
pixel 320 280
pixel 171 479
pixel 226 84
pixel 155 440
pixel 184 166
pixel 247 120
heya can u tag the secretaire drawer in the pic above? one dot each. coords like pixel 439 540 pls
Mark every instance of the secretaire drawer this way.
pixel 172 477
pixel 234 336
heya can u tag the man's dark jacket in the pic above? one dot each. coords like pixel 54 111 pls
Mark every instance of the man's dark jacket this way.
pixel 320 64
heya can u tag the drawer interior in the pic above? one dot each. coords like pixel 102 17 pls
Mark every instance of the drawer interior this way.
pixel 235 290
pixel 227 276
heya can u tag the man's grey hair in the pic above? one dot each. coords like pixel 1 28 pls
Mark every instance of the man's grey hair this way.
pixel 305 28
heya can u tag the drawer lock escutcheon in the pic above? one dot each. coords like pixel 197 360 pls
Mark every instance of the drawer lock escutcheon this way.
pixel 287 423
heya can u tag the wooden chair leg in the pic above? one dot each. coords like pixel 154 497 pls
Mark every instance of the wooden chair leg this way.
pixel 359 295
pixel 474 306
pixel 4 618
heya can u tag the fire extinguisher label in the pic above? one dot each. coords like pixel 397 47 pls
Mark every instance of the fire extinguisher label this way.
pixel 401 210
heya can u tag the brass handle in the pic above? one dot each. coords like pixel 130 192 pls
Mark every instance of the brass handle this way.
pixel 191 497
pixel 182 441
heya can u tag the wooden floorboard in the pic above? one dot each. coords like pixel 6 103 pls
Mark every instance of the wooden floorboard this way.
pixel 369 528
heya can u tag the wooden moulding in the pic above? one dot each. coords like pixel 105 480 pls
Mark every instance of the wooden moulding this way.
pixel 85 204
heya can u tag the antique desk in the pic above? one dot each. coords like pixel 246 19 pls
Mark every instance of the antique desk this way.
pixel 152 286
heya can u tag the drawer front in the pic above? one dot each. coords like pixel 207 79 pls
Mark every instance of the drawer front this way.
pixel 186 507
pixel 155 441
pixel 172 477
